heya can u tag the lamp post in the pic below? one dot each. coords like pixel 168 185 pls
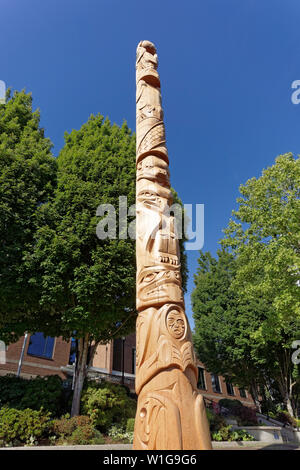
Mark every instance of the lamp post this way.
pixel 123 348
pixel 22 355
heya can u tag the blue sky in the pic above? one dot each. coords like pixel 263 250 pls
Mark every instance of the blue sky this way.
pixel 226 69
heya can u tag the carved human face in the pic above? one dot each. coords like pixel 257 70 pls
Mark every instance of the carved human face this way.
pixel 176 323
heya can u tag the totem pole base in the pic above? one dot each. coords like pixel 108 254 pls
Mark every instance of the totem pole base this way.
pixel 171 415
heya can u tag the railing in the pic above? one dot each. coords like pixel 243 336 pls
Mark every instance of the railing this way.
pixel 119 379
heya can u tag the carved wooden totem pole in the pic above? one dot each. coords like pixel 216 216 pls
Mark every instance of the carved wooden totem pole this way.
pixel 171 413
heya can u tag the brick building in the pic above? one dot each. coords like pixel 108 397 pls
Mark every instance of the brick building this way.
pixel 114 361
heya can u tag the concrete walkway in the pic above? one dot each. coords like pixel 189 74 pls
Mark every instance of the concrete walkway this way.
pixel 247 445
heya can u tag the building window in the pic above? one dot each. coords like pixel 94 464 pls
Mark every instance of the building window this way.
pixel 133 360
pixel 118 352
pixel 201 379
pixel 242 392
pixel 215 383
pixel 41 346
pixel 229 388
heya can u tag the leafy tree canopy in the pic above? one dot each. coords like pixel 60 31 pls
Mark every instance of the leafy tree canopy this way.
pixel 27 180
pixel 264 234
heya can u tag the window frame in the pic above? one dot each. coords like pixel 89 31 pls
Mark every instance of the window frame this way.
pixel 213 377
pixel 244 391
pixel 204 379
pixel 230 386
pixel 42 356
pixel 133 361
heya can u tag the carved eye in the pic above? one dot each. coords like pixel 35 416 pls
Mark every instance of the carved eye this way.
pixel 149 277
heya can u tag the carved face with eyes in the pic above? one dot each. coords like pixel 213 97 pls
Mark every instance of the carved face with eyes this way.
pixel 152 196
pixel 157 285
pixel 154 169
pixel 176 323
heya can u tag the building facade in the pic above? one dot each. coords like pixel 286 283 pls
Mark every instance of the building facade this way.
pixel 114 361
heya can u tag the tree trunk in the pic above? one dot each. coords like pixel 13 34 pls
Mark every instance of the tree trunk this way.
pixel 80 373
pixel 289 406
pixel 254 395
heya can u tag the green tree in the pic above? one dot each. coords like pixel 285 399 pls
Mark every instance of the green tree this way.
pixel 226 334
pixel 223 325
pixel 252 310
pixel 265 237
pixel 264 234
pixel 86 285
pixel 27 180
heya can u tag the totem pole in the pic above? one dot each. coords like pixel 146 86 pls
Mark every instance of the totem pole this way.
pixel 171 413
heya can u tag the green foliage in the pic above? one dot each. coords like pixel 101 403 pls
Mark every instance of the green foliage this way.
pixel 130 425
pixel 22 426
pixel 78 430
pixel 245 416
pixel 265 239
pixel 19 393
pixel 227 332
pixel 284 417
pixel 65 425
pixel 86 435
pixel 224 324
pixel 86 284
pixel 227 434
pixel 76 284
pixel 119 435
pixel 264 233
pixel 107 404
pixel 27 181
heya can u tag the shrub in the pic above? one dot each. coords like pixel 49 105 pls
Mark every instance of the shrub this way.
pixel 286 418
pixel 65 426
pixel 215 421
pixel 118 434
pixel 130 425
pixel 39 392
pixel 230 404
pixel 245 416
pixel 107 404
pixel 85 435
pixel 226 434
pixel 22 426
pixel 78 430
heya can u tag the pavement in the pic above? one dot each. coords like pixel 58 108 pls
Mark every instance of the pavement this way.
pixel 247 445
